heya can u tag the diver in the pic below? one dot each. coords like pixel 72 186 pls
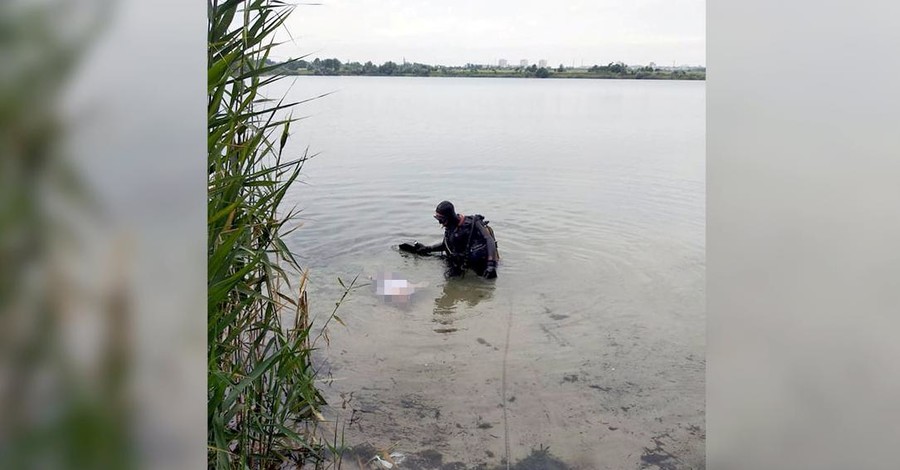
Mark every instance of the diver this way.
pixel 468 243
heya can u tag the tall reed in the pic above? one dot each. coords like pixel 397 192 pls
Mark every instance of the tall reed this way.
pixel 262 398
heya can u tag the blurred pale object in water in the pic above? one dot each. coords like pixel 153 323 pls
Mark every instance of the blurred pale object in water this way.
pixel 392 288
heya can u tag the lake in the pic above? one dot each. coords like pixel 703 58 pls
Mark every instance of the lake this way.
pixel 588 350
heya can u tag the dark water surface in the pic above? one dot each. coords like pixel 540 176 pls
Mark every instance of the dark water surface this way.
pixel 595 189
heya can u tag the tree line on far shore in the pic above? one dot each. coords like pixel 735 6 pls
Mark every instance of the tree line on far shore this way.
pixel 414 69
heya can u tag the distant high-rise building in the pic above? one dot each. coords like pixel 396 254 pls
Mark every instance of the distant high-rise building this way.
pixel 523 63
pixel 542 63
pixel 503 63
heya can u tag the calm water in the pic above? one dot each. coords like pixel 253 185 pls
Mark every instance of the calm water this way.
pixel 595 190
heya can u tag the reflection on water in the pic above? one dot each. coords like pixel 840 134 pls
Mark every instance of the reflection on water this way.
pixel 469 291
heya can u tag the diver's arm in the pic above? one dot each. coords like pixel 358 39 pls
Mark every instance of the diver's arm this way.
pixel 424 249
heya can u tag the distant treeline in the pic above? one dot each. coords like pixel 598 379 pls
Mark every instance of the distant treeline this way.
pixel 612 70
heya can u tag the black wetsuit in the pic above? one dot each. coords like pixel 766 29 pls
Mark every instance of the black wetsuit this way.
pixel 469 237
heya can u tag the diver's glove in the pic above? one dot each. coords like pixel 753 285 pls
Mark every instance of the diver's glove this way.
pixel 491 271
pixel 422 249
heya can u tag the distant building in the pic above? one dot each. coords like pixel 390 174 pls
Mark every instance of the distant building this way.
pixel 503 63
pixel 523 63
pixel 542 63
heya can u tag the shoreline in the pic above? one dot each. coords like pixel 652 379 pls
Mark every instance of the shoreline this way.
pixel 694 76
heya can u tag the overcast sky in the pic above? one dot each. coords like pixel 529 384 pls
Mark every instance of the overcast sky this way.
pixel 456 32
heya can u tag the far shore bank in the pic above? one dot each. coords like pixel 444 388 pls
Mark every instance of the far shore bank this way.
pixel 564 75
pixel 614 71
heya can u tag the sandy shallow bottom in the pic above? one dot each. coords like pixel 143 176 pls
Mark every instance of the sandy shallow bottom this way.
pixel 470 373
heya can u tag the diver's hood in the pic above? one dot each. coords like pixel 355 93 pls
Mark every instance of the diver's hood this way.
pixel 446 210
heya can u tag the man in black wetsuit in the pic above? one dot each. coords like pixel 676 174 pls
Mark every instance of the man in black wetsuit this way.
pixel 467 242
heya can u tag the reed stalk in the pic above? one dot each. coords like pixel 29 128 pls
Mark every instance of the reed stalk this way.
pixel 263 404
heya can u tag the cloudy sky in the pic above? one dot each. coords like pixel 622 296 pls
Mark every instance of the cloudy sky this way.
pixel 456 32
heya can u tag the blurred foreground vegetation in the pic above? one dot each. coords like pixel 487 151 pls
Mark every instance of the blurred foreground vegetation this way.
pixel 64 352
